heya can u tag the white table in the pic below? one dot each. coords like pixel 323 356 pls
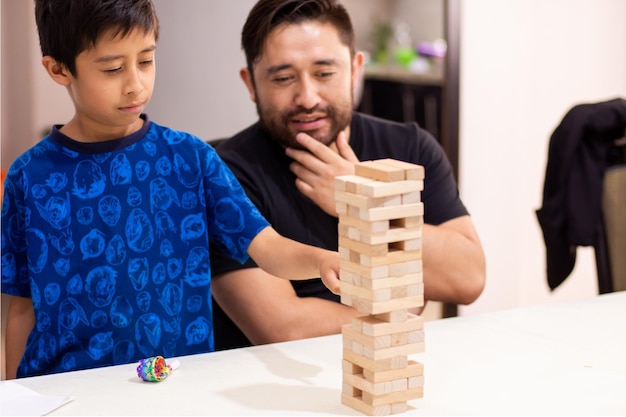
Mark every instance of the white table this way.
pixel 555 359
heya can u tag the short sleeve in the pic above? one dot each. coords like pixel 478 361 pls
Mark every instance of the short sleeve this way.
pixel 236 220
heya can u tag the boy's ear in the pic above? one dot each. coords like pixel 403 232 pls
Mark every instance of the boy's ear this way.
pixel 57 71
pixel 247 80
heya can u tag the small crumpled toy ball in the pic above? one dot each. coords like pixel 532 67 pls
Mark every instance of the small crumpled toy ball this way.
pixel 154 369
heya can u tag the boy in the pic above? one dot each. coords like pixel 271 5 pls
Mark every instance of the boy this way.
pixel 106 221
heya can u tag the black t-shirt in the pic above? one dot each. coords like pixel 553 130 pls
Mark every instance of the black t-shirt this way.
pixel 262 167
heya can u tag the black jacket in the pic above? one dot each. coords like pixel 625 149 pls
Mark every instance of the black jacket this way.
pixel 579 152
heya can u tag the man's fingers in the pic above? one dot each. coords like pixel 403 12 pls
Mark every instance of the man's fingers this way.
pixel 344 148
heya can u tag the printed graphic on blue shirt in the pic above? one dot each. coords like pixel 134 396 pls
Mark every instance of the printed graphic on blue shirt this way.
pixel 112 246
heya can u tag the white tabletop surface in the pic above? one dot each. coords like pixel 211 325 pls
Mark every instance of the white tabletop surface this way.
pixel 555 359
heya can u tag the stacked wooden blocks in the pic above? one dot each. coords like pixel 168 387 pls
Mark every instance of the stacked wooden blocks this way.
pixel 380 246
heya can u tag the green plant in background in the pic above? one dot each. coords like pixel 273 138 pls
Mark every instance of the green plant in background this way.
pixel 404 52
pixel 381 36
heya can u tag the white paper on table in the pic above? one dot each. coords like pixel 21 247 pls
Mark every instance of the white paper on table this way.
pixel 16 400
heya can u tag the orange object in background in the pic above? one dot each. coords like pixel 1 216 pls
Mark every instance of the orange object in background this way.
pixel 3 175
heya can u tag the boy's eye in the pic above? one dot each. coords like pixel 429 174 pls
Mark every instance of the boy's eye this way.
pixel 146 62
pixel 113 70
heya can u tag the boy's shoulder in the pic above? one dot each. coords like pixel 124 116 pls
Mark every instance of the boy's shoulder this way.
pixel 174 136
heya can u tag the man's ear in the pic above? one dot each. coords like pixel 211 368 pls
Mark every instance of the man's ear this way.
pixel 357 77
pixel 57 71
pixel 246 77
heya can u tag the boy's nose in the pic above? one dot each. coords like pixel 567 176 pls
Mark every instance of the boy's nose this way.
pixel 133 82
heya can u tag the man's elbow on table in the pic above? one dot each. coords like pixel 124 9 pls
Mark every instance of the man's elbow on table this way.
pixel 472 284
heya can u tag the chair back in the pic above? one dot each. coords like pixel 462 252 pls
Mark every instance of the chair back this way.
pixel 614 218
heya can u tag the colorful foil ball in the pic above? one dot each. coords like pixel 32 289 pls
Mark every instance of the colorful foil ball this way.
pixel 154 369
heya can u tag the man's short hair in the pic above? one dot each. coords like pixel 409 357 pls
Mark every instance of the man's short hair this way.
pixel 266 15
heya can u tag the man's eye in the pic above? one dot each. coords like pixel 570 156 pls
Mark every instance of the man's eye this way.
pixel 282 80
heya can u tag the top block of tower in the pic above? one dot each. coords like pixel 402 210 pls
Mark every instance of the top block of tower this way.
pixel 389 170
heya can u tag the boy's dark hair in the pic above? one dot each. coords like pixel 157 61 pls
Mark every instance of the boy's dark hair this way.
pixel 68 27
pixel 266 15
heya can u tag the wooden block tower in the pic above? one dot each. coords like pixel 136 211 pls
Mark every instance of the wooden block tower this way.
pixel 380 246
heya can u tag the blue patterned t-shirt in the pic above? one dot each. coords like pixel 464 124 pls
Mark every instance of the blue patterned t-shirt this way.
pixel 111 242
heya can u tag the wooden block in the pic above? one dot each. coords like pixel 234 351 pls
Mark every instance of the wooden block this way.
pixel 348 255
pixel 348 332
pixel 364 225
pixel 351 278
pixel 350 343
pixel 407 245
pixel 392 257
pixel 375 388
pixel 393 397
pixel 409 198
pixel 351 233
pixel 368 294
pixel 402 291
pixel 401 384
pixel 341 208
pixel 378 347
pixel 409 222
pixel 370 410
pixel 378 249
pixel 374 326
pixel 386 213
pixel 387 282
pixel 412 171
pixel 398 339
pixel 353 292
pixel 350 368
pixel 386 364
pixel 379 171
pixel 378 410
pixel 416 336
pixel 350 183
pixel 363 201
pixel 394 351
pixel 400 407
pixel 416 381
pixel 383 271
pixel 411 372
pixel 381 189
pixel 364 271
pixel 365 306
pixel 395 316
pixel 395 234
pixel 343 230
pixel 349 390
pixel 346 299
pixel 339 184
pixel 404 268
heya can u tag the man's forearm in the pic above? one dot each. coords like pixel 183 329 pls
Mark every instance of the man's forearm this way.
pixel 454 266
pixel 312 317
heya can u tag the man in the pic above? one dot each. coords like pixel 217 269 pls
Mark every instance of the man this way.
pixel 302 70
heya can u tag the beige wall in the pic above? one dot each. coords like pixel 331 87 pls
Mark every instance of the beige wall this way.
pixel 525 63
pixel 32 101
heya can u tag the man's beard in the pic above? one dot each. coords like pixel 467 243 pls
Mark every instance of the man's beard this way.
pixel 277 123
